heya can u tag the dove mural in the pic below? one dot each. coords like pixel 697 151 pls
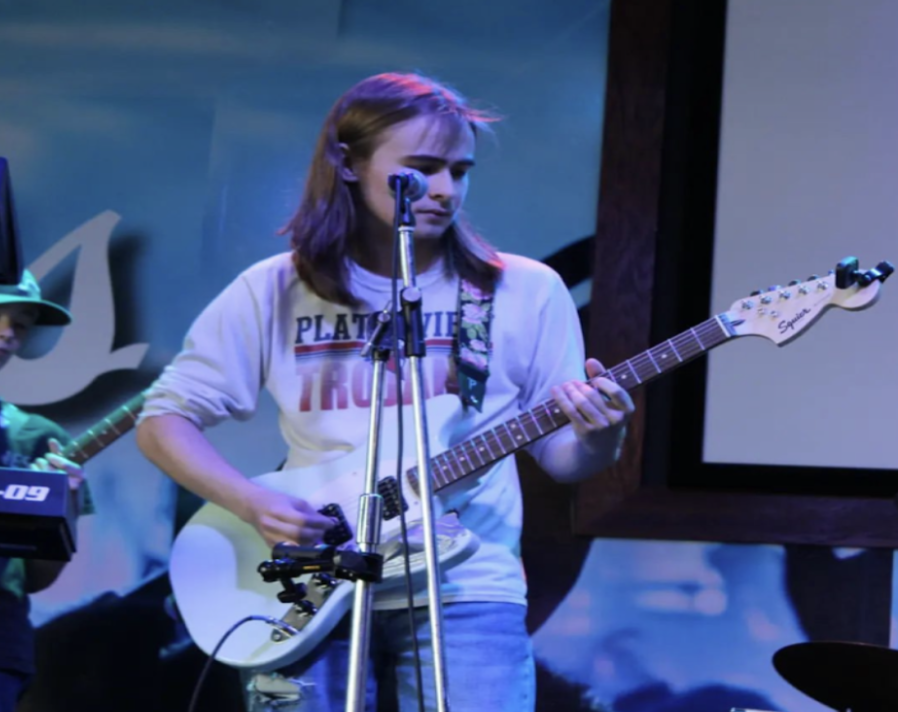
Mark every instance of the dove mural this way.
pixel 84 350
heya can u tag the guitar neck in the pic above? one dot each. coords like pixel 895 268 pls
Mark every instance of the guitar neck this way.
pixel 105 432
pixel 488 447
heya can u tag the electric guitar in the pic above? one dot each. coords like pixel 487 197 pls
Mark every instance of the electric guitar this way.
pixel 215 557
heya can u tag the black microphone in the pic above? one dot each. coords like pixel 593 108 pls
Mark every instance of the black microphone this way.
pixel 411 184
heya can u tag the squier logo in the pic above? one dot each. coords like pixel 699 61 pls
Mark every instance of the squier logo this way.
pixel 789 324
pixel 84 350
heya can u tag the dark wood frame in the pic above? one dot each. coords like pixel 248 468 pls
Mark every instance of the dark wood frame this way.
pixel 658 185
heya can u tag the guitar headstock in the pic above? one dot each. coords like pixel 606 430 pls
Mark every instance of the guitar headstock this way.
pixel 782 313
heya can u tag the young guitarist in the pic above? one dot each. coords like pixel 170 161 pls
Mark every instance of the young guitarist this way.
pixel 26 440
pixel 294 323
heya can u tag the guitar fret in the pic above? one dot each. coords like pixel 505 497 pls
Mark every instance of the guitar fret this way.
pixel 466 461
pixel 725 326
pixel 436 467
pixel 498 430
pixel 505 438
pixel 518 437
pixel 526 419
pixel 693 332
pixel 688 344
pixel 621 378
pixel 646 367
pixel 556 417
pixel 719 331
pixel 661 356
pixel 638 369
pixel 447 467
pixel 89 445
pixel 673 347
pixel 480 447
pixel 486 442
pixel 698 336
pixel 471 460
pixel 551 410
pixel 710 333
pixel 457 466
pixel 542 418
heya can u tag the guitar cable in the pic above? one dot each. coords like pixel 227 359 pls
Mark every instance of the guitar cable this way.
pixel 275 622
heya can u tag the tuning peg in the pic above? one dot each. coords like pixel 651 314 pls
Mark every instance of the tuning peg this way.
pixel 880 272
pixel 847 273
pixel 774 288
pixel 885 269
pixel 813 278
pixel 755 293
pixel 794 282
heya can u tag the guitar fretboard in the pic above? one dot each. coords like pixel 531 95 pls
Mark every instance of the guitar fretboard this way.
pixel 485 448
pixel 104 433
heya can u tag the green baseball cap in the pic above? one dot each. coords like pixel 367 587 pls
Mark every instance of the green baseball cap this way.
pixel 28 291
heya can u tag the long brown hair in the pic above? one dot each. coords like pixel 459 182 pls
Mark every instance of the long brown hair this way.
pixel 324 225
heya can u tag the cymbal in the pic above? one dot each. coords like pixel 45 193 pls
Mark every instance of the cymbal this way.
pixel 844 676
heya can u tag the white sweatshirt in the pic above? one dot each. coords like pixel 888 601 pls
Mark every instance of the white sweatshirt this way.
pixel 267 329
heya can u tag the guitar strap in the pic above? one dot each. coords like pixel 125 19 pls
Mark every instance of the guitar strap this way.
pixel 471 343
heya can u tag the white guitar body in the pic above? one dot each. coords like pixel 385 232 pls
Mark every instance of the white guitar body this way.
pixel 216 555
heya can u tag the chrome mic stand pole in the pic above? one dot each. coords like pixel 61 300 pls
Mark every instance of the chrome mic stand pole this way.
pixel 414 350
pixel 368 529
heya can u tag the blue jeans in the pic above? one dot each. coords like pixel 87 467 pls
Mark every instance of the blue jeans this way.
pixel 488 659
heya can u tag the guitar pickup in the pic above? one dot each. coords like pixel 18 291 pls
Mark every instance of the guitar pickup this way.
pixel 341 532
pixel 388 489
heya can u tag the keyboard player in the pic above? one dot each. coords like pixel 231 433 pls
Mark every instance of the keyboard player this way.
pixel 26 441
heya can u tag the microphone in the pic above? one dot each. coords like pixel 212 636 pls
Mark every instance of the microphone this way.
pixel 411 184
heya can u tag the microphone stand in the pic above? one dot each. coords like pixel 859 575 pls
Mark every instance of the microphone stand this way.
pixel 410 299
pixel 371 502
